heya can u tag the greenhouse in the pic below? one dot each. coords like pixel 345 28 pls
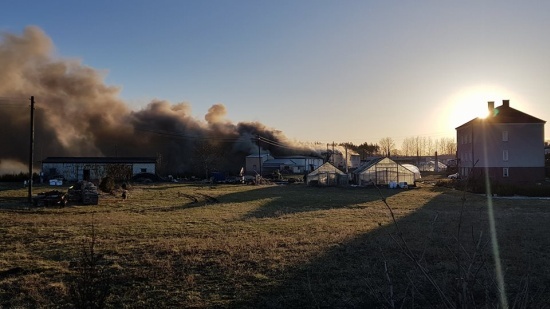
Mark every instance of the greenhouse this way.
pixel 429 166
pixel 327 175
pixel 414 169
pixel 383 171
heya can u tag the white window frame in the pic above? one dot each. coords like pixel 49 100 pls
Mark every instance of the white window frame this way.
pixel 505 155
pixel 504 136
pixel 505 172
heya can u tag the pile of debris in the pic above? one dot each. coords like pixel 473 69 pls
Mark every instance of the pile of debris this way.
pixel 50 198
pixel 84 192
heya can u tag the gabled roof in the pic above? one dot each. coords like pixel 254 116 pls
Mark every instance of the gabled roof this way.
pixel 298 157
pixel 505 114
pixel 327 167
pixel 260 155
pixel 279 162
pixel 365 166
pixel 111 160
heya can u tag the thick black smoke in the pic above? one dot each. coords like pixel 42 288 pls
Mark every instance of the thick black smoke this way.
pixel 78 115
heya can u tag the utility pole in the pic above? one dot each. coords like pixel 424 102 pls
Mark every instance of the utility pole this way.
pixel 346 159
pixel 436 167
pixel 259 156
pixel 332 152
pixel 31 152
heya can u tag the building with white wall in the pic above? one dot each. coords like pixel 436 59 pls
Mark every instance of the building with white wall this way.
pixel 96 168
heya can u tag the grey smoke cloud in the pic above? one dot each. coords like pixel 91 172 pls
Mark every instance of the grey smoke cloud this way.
pixel 77 114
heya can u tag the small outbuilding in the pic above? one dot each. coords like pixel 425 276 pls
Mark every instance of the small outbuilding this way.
pixel 327 175
pixel 383 171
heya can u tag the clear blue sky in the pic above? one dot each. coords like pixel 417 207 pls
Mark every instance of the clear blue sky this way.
pixel 317 70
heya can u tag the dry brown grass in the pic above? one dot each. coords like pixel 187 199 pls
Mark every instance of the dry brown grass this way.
pixel 185 245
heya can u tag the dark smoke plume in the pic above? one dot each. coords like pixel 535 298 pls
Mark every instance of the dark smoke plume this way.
pixel 78 115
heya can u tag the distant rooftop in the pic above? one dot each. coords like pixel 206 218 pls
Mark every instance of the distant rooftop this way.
pixel 100 160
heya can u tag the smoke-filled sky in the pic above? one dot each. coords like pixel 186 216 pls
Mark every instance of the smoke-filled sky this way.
pixel 77 114
pixel 351 71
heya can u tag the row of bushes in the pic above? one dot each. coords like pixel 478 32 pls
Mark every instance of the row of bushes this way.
pixel 108 185
pixel 18 177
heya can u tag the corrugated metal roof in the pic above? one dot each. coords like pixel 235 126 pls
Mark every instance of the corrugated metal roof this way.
pixel 100 160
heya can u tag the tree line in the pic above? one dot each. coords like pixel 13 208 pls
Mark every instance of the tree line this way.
pixel 411 146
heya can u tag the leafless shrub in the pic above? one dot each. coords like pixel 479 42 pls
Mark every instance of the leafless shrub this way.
pixel 90 284
pixel 472 283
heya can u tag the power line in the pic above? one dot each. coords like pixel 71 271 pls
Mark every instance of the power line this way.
pixel 12 106
pixel 213 138
pixel 190 137
pixel 275 143
pixel 271 142
pixel 13 100
pixel 8 103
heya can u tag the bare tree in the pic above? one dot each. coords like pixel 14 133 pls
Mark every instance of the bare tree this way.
pixel 396 152
pixel 450 146
pixel 207 156
pixel 407 148
pixel 119 172
pixel 430 146
pixel 386 145
pixel 446 145
pixel 426 146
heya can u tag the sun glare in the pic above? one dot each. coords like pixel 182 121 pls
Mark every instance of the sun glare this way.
pixel 472 102
pixel 483 114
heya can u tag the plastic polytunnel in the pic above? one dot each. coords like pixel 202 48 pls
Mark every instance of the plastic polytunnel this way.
pixel 327 175
pixel 413 169
pixel 382 171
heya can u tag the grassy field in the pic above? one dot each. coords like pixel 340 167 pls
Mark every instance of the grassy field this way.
pixel 238 246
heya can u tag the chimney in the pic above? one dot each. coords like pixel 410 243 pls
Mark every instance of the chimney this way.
pixel 506 103
pixel 491 107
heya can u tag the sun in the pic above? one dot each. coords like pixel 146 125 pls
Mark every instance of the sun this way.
pixel 472 102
